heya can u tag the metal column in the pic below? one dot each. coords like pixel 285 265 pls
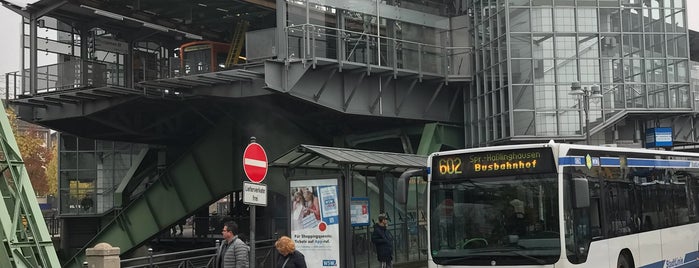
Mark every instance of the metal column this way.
pixel 25 237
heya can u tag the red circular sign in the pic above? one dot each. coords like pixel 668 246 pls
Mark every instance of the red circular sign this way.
pixel 255 162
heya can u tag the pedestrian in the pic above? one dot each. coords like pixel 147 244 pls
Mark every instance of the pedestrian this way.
pixel 233 252
pixel 288 256
pixel 383 241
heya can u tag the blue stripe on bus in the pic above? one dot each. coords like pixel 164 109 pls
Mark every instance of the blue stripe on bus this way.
pixel 637 162
pixel 609 161
pixel 571 161
pixel 660 264
pixel 631 162
pixel 690 260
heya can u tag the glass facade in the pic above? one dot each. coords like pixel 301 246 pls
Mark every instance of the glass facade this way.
pixel 528 52
pixel 90 171
pixel 407 35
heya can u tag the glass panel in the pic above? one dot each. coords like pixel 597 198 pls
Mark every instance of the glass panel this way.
pixel 524 123
pixel 655 45
pixel 566 71
pixel 609 20
pixel 589 71
pixel 632 46
pixel 633 70
pixel 542 20
pixel 609 3
pixel 520 46
pixel 653 20
pixel 632 20
pixel 543 46
pixel 519 20
pixel 678 3
pixel 546 115
pixel 542 2
pixel 565 47
pixel 69 142
pixel 586 3
pixel 657 96
pixel 636 96
pixel 677 71
pixel 562 21
pixel 85 144
pixel 544 71
pixel 519 2
pixel 611 71
pixel 587 19
pixel 522 71
pixel 69 160
pixel 655 71
pixel 565 3
pixel 611 47
pixel 523 97
pixel 681 93
pixel 588 46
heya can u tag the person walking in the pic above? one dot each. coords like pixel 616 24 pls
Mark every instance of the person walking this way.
pixel 383 241
pixel 233 252
pixel 288 256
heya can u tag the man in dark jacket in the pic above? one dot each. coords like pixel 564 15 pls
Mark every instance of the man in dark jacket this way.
pixel 383 241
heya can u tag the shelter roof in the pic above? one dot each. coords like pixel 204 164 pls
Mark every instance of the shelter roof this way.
pixel 320 157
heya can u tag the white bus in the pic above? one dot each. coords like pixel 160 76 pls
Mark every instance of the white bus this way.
pixel 563 205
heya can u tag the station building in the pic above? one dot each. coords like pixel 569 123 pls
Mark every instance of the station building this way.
pixel 156 100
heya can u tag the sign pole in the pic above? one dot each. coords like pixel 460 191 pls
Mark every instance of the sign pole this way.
pixel 254 193
pixel 252 235
pixel 253 208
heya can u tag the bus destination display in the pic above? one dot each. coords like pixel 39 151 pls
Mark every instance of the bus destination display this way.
pixel 489 164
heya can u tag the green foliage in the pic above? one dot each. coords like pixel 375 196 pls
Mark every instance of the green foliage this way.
pixel 35 153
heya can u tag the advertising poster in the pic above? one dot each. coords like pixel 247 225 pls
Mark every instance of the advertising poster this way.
pixel 359 211
pixel 315 221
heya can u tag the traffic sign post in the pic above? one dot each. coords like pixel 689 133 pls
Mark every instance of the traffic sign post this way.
pixel 255 168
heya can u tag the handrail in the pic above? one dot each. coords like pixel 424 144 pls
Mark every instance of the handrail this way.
pixel 305 25
pixel 421 58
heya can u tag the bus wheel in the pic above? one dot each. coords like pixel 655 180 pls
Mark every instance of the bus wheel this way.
pixel 623 261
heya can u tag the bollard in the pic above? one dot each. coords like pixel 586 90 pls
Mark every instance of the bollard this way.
pixel 102 255
pixel 150 257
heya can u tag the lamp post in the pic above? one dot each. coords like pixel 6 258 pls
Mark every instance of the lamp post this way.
pixel 586 93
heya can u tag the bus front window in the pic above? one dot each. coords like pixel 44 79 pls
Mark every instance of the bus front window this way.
pixel 509 220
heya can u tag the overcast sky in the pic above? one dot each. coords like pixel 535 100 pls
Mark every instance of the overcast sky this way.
pixel 10 28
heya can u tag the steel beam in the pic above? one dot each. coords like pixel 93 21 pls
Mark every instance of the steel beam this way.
pixel 24 235
pixel 354 89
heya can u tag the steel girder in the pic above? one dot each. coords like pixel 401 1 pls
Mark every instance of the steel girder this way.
pixel 369 91
pixel 25 237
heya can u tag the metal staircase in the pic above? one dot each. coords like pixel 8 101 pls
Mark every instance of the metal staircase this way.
pixel 25 239
pixel 192 181
pixel 237 43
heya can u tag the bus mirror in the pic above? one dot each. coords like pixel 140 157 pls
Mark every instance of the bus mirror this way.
pixel 581 198
pixel 403 184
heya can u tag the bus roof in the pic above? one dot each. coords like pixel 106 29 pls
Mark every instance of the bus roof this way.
pixel 564 147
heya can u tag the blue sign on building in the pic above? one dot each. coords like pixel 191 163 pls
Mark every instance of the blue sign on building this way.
pixel 658 137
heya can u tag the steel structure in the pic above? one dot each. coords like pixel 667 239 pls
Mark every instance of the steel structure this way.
pixel 25 238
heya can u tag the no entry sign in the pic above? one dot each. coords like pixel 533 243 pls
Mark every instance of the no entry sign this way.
pixel 255 162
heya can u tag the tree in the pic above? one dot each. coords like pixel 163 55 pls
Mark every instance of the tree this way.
pixel 36 155
pixel 52 171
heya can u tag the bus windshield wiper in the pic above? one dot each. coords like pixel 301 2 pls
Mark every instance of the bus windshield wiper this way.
pixel 458 259
pixel 516 252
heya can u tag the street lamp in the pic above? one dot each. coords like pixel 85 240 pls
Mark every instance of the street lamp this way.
pixel 587 93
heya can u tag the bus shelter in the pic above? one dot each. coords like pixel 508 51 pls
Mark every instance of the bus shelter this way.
pixel 335 196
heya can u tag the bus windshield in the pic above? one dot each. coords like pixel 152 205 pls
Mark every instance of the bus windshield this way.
pixel 506 220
